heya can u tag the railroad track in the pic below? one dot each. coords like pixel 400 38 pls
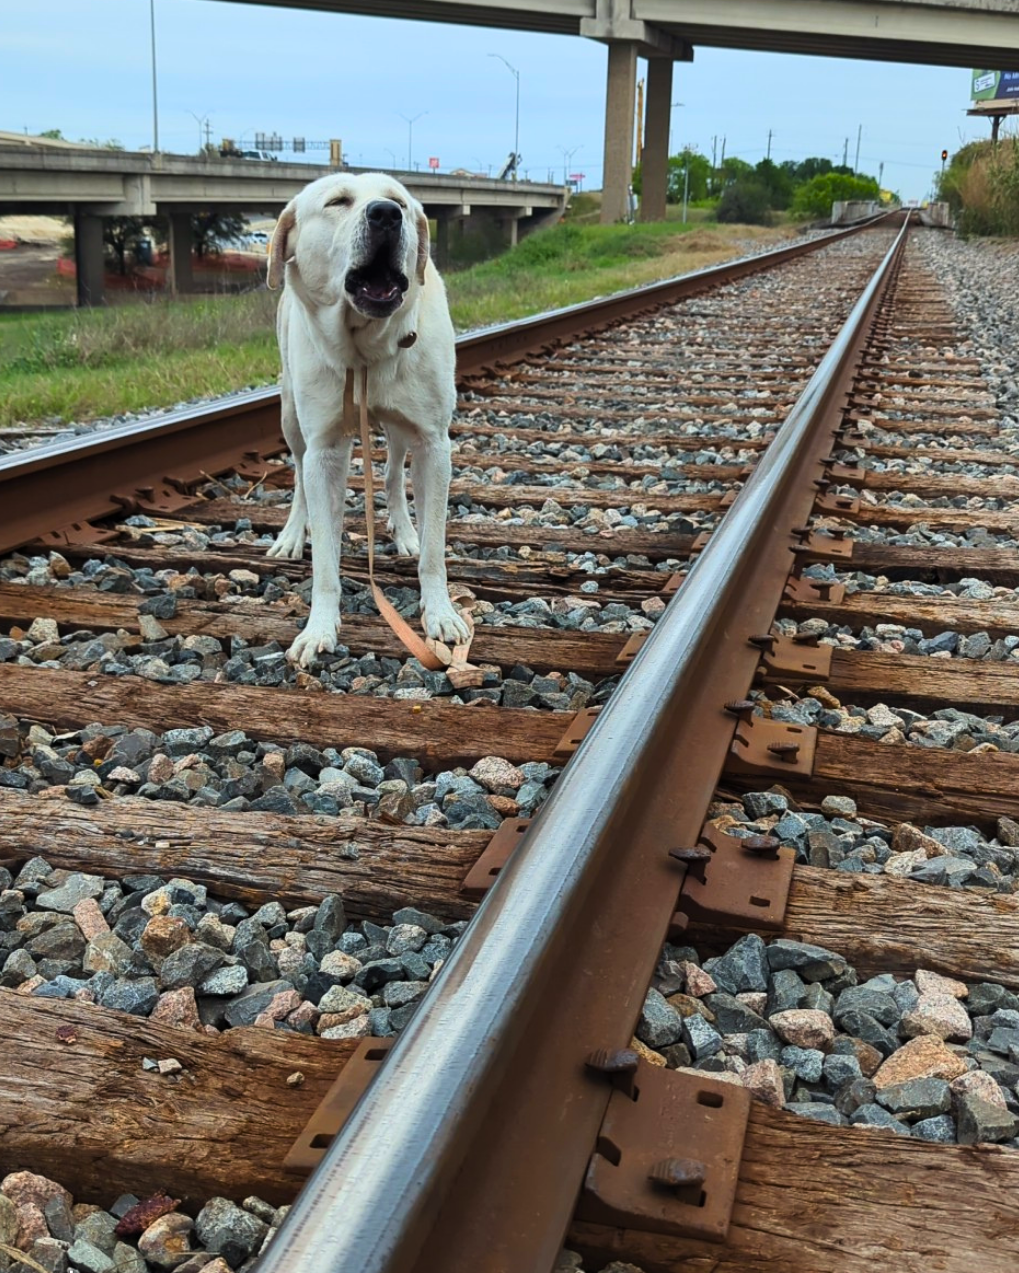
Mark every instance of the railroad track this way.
pixel 231 882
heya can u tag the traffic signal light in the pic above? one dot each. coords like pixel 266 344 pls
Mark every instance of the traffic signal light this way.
pixel 944 155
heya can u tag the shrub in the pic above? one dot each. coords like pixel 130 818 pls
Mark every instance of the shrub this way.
pixel 815 197
pixel 982 188
pixel 745 202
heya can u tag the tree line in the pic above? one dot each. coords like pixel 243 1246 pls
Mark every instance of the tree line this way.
pixel 751 193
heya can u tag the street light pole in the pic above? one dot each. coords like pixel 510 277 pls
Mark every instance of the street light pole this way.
pixel 567 156
pixel 155 105
pixel 672 107
pixel 516 132
pixel 200 120
pixel 410 135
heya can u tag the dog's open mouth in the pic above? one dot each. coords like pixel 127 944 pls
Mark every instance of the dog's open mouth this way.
pixel 377 288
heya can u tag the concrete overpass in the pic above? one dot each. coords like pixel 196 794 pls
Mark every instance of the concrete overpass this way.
pixel 89 184
pixel 963 33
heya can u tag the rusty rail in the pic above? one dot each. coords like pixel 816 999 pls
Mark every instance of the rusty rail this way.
pixel 468 1151
pixel 148 466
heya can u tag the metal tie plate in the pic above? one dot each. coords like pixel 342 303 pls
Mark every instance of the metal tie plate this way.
pixel 668 1155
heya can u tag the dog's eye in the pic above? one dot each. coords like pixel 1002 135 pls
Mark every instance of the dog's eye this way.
pixel 341 201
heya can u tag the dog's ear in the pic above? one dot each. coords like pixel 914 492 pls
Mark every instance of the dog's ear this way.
pixel 282 245
pixel 423 244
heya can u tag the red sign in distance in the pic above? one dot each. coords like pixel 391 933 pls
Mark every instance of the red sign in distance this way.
pixel 433 162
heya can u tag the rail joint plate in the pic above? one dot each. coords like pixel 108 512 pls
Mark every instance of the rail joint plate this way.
pixel 668 1155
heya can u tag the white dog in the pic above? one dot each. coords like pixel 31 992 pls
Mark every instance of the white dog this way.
pixel 361 290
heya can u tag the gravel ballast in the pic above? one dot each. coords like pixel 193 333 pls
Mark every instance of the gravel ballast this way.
pixel 927 1056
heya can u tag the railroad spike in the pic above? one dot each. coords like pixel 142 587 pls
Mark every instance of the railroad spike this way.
pixel 785 751
pixel 678 1173
pixel 761 845
pixel 613 1061
pixel 696 854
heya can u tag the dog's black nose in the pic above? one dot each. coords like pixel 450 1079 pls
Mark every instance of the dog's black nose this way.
pixel 384 214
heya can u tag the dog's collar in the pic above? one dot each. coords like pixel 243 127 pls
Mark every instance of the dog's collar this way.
pixel 405 342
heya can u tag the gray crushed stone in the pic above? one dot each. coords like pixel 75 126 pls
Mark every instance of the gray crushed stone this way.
pixel 927 1056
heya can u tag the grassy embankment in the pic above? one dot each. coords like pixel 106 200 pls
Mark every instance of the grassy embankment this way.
pixel 79 365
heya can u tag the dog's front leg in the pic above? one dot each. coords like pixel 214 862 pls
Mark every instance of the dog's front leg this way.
pixel 430 468
pixel 290 541
pixel 325 487
pixel 405 537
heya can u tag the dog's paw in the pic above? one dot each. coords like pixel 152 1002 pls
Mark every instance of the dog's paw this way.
pixel 406 540
pixel 289 543
pixel 445 623
pixel 313 640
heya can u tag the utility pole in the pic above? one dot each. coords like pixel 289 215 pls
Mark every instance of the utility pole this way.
pixel 769 144
pixel 155 100
pixel 880 173
pixel 714 155
pixel 859 134
pixel 208 133
pixel 845 154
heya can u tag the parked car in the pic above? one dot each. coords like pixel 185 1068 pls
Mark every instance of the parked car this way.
pixel 266 156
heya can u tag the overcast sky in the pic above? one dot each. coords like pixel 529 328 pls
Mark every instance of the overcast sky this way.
pixel 84 66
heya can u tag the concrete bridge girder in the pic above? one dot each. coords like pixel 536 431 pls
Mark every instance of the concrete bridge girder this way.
pixel 963 33
pixel 89 185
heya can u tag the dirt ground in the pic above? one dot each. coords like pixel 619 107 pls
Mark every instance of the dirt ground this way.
pixel 28 272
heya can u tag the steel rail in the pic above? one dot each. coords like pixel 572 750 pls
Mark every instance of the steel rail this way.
pixel 467 1152
pixel 145 464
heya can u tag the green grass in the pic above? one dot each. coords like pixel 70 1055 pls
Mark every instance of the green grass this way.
pixel 77 365
pixel 575 262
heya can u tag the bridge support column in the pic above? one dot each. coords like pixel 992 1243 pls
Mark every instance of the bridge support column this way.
pixel 618 167
pixel 655 172
pixel 88 257
pixel 441 253
pixel 181 275
pixel 444 217
pixel 628 38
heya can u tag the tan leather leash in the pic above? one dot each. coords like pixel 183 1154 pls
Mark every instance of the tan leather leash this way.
pixel 432 654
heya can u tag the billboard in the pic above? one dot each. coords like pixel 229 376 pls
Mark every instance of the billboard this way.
pixel 995 86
